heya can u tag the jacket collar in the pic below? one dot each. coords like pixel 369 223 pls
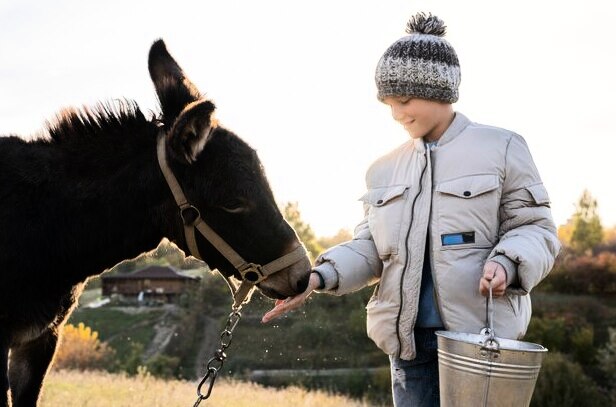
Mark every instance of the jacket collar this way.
pixel 458 124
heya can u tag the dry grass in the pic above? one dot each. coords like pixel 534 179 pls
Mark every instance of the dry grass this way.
pixel 98 389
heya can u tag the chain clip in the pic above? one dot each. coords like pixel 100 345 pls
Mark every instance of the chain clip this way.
pixel 214 365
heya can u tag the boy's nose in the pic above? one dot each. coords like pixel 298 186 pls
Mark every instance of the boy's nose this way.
pixel 397 113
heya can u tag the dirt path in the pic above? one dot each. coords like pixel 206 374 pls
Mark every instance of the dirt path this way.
pixel 163 335
pixel 209 343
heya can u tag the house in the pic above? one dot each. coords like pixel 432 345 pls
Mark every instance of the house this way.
pixel 151 284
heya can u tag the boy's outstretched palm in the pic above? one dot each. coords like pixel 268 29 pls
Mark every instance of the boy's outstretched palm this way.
pixel 291 303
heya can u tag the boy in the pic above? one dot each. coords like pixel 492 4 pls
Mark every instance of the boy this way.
pixel 458 207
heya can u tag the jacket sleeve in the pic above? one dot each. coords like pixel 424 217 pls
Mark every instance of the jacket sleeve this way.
pixel 528 242
pixel 352 265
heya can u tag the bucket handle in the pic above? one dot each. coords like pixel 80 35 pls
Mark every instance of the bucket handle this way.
pixel 490 343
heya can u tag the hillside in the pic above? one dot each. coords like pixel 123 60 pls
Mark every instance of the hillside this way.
pixel 327 334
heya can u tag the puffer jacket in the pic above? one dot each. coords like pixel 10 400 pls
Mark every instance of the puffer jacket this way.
pixel 479 197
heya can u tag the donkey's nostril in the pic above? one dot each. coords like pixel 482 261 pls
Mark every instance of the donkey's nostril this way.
pixel 302 283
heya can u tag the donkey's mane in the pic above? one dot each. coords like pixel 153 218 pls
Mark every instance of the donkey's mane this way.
pixel 117 118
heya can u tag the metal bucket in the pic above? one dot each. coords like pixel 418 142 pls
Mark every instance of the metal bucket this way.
pixel 484 370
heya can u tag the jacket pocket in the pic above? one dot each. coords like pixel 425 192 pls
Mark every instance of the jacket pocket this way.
pixel 469 205
pixel 385 212
pixel 381 325
pixel 539 194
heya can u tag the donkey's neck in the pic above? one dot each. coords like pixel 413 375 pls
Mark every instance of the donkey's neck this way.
pixel 114 207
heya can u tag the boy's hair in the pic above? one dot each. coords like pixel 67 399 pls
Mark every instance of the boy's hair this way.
pixel 422 64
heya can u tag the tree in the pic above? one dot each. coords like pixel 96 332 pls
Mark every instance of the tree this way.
pixel 304 231
pixel 565 232
pixel 609 235
pixel 609 240
pixel 343 235
pixel 587 229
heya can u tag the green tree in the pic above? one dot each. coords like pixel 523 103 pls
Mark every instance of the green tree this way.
pixel 168 252
pixel 587 229
pixel 304 231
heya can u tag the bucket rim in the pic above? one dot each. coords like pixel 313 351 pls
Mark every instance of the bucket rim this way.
pixel 479 340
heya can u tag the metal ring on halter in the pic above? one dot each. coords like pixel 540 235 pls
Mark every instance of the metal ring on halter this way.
pixel 252 272
pixel 189 214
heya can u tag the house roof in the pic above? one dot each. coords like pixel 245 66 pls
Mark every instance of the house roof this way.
pixel 151 273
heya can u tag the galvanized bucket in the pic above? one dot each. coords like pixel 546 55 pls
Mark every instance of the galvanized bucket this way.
pixel 484 370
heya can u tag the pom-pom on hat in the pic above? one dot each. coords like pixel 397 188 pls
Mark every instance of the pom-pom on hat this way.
pixel 422 64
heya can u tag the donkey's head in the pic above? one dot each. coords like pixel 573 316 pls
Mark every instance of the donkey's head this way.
pixel 223 178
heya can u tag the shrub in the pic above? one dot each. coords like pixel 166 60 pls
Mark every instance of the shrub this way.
pixel 582 345
pixel 549 332
pixel 607 358
pixel 562 383
pixel 132 363
pixel 81 349
pixel 163 366
pixel 567 335
pixel 584 275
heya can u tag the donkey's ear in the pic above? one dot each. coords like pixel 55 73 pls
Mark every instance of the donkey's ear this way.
pixel 173 88
pixel 191 131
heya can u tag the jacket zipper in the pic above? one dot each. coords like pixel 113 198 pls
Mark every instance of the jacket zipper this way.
pixel 431 258
pixel 408 256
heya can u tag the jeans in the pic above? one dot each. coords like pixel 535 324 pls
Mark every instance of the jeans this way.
pixel 415 382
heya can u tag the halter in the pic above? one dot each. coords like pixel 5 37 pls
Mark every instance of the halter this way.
pixel 251 273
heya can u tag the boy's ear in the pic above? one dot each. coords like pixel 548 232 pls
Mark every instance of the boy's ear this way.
pixel 174 90
pixel 191 131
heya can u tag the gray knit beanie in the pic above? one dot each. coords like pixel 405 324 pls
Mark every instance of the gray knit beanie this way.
pixel 422 64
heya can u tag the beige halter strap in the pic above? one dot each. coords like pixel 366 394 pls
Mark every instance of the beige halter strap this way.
pixel 251 273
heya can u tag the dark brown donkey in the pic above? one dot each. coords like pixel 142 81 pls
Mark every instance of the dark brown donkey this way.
pixel 91 194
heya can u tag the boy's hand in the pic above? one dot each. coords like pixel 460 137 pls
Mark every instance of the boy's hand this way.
pixel 291 303
pixel 494 272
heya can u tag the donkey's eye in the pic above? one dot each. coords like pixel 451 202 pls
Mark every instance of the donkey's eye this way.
pixel 235 206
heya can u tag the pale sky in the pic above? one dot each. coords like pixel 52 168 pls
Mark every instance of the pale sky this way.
pixel 295 79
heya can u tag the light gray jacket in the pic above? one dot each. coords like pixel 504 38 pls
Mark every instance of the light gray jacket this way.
pixel 479 197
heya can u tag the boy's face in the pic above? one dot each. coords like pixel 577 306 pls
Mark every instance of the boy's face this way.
pixel 420 117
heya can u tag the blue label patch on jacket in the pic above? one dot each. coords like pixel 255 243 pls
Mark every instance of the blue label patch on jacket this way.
pixel 452 239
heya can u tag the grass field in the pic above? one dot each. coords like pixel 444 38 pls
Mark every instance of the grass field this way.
pixel 98 389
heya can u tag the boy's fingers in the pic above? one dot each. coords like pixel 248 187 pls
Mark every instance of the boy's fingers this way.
pixel 284 306
pixel 493 272
pixel 489 270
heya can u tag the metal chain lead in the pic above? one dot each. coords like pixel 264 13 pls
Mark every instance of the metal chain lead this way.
pixel 214 365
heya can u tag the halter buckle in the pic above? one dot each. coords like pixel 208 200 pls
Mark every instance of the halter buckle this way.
pixel 252 272
pixel 190 215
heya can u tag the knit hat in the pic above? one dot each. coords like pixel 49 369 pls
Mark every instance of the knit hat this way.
pixel 422 64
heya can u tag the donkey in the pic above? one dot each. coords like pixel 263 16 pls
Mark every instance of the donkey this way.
pixel 91 194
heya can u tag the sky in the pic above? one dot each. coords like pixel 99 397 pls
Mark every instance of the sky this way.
pixel 295 79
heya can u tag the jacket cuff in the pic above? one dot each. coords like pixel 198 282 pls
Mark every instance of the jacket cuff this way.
pixel 328 273
pixel 511 268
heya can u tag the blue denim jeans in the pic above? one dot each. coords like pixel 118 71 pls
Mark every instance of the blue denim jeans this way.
pixel 415 382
